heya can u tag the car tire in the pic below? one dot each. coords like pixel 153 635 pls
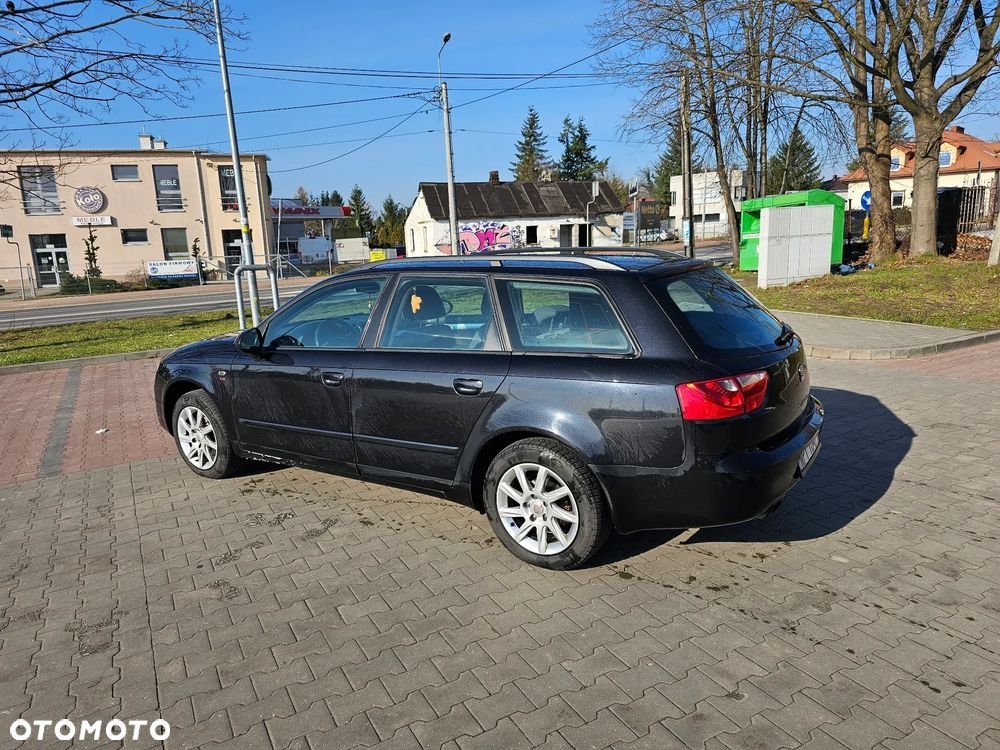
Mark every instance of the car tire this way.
pixel 557 522
pixel 202 437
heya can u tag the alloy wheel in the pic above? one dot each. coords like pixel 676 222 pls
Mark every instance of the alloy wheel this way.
pixel 537 509
pixel 197 438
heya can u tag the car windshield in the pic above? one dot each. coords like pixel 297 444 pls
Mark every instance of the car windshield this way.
pixel 715 314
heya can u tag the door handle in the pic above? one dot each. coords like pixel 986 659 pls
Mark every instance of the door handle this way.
pixel 468 387
pixel 332 379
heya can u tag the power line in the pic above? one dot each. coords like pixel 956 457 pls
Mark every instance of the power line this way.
pixel 182 60
pixel 346 140
pixel 370 141
pixel 177 118
pixel 285 79
pixel 551 73
pixel 303 130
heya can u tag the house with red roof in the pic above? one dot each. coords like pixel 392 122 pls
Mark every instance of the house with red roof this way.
pixel 965 161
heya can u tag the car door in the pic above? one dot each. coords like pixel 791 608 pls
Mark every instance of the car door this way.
pixel 292 399
pixel 418 393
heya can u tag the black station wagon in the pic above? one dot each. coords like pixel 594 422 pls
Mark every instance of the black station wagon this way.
pixel 562 393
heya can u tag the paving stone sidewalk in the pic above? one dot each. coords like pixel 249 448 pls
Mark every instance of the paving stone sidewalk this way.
pixel 290 609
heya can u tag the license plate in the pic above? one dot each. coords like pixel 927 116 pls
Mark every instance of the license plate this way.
pixel 807 454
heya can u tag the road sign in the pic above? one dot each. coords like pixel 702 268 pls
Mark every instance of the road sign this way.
pixel 633 188
pixel 6 230
pixel 628 220
pixel 866 200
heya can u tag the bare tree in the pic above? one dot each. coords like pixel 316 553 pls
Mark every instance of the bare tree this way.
pixel 949 49
pixel 67 59
pixel 747 81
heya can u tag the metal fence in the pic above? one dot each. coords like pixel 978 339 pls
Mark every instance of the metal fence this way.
pixel 978 208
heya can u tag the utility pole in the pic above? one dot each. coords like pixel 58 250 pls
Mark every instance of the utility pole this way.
pixel 687 179
pixel 450 167
pixel 246 241
pixel 448 156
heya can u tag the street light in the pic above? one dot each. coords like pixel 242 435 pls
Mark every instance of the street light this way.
pixel 449 166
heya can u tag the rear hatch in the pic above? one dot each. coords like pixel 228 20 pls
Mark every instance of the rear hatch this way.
pixel 727 327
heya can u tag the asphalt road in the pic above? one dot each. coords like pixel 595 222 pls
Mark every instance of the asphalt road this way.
pixel 173 303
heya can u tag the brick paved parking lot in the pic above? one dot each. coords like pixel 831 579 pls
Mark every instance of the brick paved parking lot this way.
pixel 287 608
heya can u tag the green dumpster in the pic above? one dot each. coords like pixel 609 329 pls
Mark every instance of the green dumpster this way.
pixel 750 222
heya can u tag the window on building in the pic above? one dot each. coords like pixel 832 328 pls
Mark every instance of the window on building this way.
pixel 135 237
pixel 39 193
pixel 531 234
pixel 125 172
pixel 895 163
pixel 168 187
pixel 944 158
pixel 897 198
pixel 712 218
pixel 544 316
pixel 673 197
pixel 175 244
pixel 227 186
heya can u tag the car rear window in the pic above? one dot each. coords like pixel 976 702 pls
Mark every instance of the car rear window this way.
pixel 715 314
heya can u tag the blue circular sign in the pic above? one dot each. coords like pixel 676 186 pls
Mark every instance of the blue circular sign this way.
pixel 866 200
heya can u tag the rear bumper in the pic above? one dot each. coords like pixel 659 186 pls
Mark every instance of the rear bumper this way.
pixel 734 489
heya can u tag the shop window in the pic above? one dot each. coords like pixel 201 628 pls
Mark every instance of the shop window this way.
pixel 39 194
pixel 175 244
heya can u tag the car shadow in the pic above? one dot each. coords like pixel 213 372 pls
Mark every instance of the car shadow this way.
pixel 863 444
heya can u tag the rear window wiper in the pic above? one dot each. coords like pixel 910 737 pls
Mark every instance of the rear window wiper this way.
pixel 786 334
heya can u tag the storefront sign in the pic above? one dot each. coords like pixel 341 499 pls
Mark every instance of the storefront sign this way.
pixel 89 199
pixel 296 210
pixel 92 221
pixel 172 269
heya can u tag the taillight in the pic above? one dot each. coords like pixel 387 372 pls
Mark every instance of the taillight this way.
pixel 722 398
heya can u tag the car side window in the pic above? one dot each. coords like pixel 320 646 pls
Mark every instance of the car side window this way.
pixel 329 318
pixel 447 314
pixel 562 317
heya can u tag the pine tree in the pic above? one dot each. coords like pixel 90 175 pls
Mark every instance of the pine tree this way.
pixel 803 168
pixel 389 224
pixel 361 210
pixel 667 166
pixel 336 199
pixel 578 160
pixel 530 155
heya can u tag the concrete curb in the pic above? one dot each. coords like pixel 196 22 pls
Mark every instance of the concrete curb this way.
pixel 59 364
pixel 960 342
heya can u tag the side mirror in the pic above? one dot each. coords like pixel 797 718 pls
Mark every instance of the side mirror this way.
pixel 250 341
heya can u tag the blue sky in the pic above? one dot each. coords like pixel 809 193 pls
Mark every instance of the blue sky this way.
pixel 510 36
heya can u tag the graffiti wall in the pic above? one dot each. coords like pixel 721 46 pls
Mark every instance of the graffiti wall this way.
pixel 480 236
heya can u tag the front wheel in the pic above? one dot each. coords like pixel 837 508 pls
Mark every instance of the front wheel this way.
pixel 545 505
pixel 202 438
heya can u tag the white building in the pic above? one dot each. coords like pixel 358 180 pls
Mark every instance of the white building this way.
pixel 498 215
pixel 709 209
pixel 965 161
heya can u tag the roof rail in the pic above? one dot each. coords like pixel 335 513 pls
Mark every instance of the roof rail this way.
pixel 585 251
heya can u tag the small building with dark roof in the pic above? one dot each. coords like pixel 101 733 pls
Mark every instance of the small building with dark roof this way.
pixel 498 215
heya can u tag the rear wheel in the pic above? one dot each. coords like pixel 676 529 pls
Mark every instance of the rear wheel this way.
pixel 545 505
pixel 202 438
